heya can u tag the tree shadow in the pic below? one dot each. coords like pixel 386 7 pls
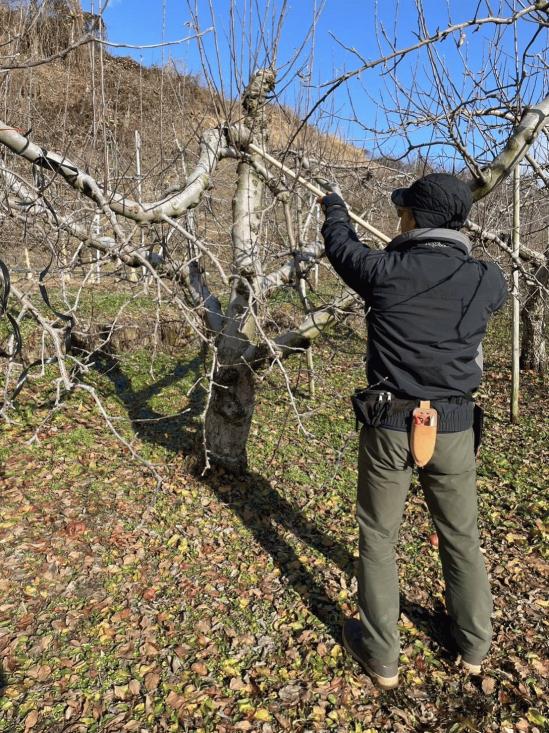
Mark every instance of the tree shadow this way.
pixel 251 497
pixel 174 433
pixel 266 513
pixel 260 507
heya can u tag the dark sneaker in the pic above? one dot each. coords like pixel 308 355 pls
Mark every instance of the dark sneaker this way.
pixel 384 675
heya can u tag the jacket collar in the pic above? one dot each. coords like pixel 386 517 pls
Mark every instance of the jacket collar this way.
pixel 447 237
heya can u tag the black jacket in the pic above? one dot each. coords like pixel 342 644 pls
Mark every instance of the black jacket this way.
pixel 429 303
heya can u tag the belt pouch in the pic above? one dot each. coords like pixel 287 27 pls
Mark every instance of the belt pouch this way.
pixel 423 436
pixel 368 407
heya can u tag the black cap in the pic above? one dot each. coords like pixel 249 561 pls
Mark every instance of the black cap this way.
pixel 436 200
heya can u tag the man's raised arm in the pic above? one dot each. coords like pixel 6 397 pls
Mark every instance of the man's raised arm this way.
pixel 353 261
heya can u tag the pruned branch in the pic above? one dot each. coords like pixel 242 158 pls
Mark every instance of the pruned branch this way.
pixel 300 339
pixel 521 139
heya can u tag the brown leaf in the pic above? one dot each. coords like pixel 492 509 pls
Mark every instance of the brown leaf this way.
pixel 120 692
pixel 73 529
pixel 39 672
pixel 151 681
pixel 199 668
pixel 114 724
pixel 174 700
pixel 25 621
pixel 149 650
pixel 150 593
pixel 134 687
pixel 290 694
pixel 243 725
pixel 488 685
pixel 236 684
pixel 31 720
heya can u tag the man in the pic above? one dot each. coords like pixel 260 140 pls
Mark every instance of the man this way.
pixel 428 304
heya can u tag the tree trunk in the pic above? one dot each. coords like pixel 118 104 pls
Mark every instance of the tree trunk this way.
pixel 229 417
pixel 231 406
pixel 533 316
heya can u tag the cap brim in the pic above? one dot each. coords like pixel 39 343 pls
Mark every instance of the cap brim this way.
pixel 398 197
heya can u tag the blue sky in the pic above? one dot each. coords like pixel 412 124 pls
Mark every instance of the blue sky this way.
pixel 353 23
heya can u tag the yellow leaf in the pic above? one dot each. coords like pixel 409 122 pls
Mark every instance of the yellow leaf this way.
pixel 262 714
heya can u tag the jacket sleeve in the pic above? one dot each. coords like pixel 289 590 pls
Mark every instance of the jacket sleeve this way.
pixel 353 261
pixel 499 288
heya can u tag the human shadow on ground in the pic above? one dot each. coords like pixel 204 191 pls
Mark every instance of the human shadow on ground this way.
pixel 260 507
pixel 434 623
pixel 265 513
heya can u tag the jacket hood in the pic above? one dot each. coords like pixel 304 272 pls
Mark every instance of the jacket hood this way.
pixel 444 237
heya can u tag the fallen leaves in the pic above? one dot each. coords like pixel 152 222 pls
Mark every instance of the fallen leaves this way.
pixel 31 720
pixel 199 668
pixel 40 673
pixel 174 700
pixel 151 680
pixel 218 606
pixel 73 529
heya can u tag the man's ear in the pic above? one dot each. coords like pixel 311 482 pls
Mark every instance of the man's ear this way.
pixel 407 220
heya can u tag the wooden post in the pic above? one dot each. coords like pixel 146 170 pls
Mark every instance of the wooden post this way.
pixel 133 273
pixel 28 264
pixel 515 376
pixel 315 275
pixel 97 233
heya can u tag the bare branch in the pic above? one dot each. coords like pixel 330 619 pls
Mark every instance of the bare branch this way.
pixel 213 147
pixel 521 139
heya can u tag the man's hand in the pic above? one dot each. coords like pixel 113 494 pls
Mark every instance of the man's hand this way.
pixel 320 200
pixel 330 199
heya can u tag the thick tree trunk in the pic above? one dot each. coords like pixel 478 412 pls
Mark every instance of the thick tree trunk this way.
pixel 230 409
pixel 229 417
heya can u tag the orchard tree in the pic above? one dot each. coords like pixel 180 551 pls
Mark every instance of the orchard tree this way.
pixel 223 287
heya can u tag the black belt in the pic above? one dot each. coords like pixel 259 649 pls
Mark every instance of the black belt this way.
pixel 376 408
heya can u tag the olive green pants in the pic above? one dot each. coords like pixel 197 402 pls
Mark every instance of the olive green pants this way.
pixel 449 485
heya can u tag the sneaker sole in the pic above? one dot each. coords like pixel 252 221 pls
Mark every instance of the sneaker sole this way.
pixel 385 683
pixel 474 669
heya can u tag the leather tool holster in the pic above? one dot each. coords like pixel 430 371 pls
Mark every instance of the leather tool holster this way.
pixel 423 436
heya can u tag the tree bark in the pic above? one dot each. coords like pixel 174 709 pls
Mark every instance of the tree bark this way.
pixel 533 317
pixel 229 418
pixel 519 143
pixel 232 398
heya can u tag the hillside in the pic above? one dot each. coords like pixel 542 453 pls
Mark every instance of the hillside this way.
pixel 90 106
